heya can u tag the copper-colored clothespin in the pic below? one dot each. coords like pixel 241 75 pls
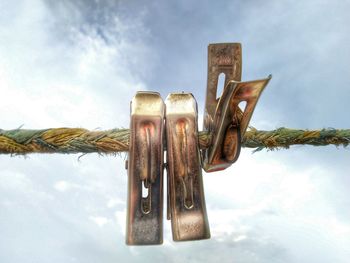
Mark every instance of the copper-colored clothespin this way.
pixel 226 123
pixel 185 186
pixel 223 118
pixel 145 170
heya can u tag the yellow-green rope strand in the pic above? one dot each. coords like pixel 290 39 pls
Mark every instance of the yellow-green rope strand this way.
pixel 78 140
pixel 284 138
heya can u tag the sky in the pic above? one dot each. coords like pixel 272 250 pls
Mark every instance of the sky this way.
pixel 79 63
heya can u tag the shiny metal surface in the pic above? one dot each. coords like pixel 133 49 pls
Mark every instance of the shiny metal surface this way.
pixel 185 184
pixel 230 123
pixel 223 58
pixel 145 170
pixel 223 118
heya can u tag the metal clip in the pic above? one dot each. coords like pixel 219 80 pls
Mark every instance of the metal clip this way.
pixel 145 170
pixel 223 118
pixel 185 184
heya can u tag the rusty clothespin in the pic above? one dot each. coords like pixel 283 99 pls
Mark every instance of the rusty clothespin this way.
pixel 186 202
pixel 145 170
pixel 223 118
pixel 226 122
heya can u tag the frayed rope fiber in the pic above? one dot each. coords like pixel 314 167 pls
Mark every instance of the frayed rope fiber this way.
pixel 78 140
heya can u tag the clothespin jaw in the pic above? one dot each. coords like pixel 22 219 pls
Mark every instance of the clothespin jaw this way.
pixel 223 118
pixel 185 184
pixel 145 170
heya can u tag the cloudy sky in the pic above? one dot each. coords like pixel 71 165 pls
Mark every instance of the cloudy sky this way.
pixel 78 64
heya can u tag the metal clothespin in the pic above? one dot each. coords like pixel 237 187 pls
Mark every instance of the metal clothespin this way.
pixel 185 184
pixel 223 118
pixel 145 170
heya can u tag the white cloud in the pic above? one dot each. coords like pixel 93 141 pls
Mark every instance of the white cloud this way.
pixel 57 68
pixel 114 202
pixel 62 186
pixel 50 81
pixel 99 220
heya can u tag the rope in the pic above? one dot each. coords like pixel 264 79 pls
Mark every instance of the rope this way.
pixel 78 140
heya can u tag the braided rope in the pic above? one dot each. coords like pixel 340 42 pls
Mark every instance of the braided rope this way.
pixel 78 140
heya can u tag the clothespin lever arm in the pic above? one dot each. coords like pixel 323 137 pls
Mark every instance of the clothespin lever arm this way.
pixel 230 122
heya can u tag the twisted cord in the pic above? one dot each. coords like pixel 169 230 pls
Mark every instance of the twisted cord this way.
pixel 78 140
pixel 284 138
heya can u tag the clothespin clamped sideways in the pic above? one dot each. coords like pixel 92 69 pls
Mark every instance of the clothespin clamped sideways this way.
pixel 223 118
pixel 174 124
